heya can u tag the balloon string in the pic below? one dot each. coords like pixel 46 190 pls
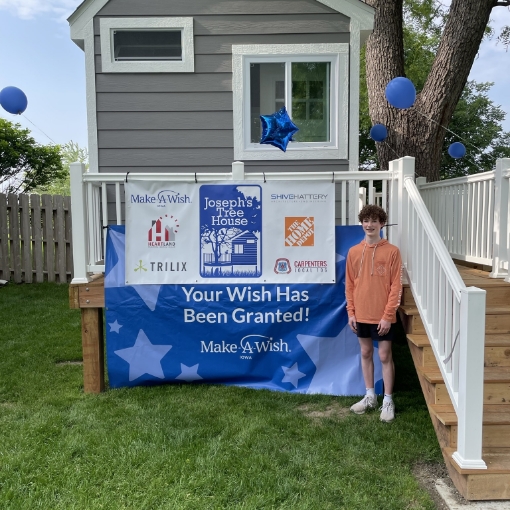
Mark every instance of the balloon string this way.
pixel 38 128
pixel 449 130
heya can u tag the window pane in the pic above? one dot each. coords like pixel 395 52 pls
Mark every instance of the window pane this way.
pixel 267 94
pixel 310 101
pixel 147 45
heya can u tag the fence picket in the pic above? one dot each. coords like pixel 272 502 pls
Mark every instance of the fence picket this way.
pixel 37 238
pixel 49 245
pixel 14 235
pixel 5 272
pixel 26 248
pixel 60 248
pixel 68 235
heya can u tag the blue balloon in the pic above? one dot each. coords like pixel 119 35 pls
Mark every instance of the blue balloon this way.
pixel 277 129
pixel 400 93
pixel 378 132
pixel 457 150
pixel 13 100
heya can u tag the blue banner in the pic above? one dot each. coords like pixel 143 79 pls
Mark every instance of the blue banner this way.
pixel 279 337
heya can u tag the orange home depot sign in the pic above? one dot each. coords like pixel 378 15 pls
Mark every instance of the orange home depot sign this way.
pixel 299 231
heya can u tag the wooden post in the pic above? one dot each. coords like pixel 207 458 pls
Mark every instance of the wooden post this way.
pixel 93 349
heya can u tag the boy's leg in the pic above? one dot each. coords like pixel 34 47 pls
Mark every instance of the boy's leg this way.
pixel 367 360
pixel 388 370
pixel 369 401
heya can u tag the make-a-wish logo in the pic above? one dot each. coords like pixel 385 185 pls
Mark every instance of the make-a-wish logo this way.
pixel 247 346
pixel 282 266
pixel 162 233
pixel 168 196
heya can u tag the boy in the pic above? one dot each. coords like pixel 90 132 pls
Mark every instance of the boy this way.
pixel 373 287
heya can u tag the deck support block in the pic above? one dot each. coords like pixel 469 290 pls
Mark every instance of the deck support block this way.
pixel 93 349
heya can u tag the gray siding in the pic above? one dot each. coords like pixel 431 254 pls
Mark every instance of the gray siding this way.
pixel 183 121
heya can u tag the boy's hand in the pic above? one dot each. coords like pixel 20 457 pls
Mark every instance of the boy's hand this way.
pixel 352 323
pixel 383 327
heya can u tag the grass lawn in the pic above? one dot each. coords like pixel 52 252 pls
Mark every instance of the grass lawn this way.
pixel 188 446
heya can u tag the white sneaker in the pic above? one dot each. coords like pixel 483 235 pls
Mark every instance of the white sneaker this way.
pixel 387 412
pixel 367 403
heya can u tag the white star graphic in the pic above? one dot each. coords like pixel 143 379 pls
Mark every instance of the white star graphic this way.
pixel 292 375
pixel 338 363
pixel 115 326
pixel 144 357
pixel 189 374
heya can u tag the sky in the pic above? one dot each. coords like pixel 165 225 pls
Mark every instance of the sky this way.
pixel 38 56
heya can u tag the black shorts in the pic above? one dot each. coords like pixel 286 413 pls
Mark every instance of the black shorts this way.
pixel 364 330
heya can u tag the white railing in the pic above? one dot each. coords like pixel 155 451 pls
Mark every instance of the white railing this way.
pixel 471 214
pixel 94 194
pixel 453 315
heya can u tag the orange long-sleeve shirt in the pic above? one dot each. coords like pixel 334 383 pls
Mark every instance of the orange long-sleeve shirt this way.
pixel 373 282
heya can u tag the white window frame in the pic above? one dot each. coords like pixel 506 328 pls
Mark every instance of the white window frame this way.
pixel 110 65
pixel 335 53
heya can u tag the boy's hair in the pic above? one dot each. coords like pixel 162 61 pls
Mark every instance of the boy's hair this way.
pixel 373 212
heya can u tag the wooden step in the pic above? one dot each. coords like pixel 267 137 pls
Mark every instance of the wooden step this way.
pixel 497 320
pixel 492 415
pixel 496 463
pixel 496 385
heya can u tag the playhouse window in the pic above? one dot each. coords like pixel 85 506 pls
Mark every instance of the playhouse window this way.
pixel 305 93
pixel 310 80
pixel 146 45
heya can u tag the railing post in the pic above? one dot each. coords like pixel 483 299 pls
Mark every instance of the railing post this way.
pixel 393 232
pixel 238 171
pixel 470 407
pixel 79 220
pixel 362 199
pixel 500 241
pixel 405 171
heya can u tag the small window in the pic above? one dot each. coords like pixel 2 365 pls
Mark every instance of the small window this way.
pixel 238 248
pixel 147 45
pixel 310 80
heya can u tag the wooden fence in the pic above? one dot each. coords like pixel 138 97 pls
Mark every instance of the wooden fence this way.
pixel 35 238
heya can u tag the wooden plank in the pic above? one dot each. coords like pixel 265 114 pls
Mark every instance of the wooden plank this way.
pixel 497 340
pixel 5 273
pixel 74 296
pixel 48 243
pixel 160 157
pixel 277 24
pixel 68 228
pixel 441 394
pixel 419 340
pixel 91 296
pixel 93 349
pixel 14 236
pixel 206 45
pixel 26 238
pixel 164 82
pixel 164 120
pixel 37 237
pixel 217 44
pixel 177 139
pixel 493 486
pixel 164 102
pixel 497 356
pixel 201 7
pixel 60 249
pixel 497 324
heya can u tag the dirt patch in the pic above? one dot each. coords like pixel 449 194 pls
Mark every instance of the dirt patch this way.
pixel 332 411
pixel 428 473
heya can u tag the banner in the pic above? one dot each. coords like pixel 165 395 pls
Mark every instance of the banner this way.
pixel 274 232
pixel 280 337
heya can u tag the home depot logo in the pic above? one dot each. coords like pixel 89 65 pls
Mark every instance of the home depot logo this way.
pixel 162 233
pixel 299 231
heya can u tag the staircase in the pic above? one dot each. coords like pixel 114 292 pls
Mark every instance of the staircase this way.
pixel 494 482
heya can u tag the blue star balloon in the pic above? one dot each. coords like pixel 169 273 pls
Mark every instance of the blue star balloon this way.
pixel 277 129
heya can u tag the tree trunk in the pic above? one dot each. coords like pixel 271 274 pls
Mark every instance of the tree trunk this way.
pixel 419 131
